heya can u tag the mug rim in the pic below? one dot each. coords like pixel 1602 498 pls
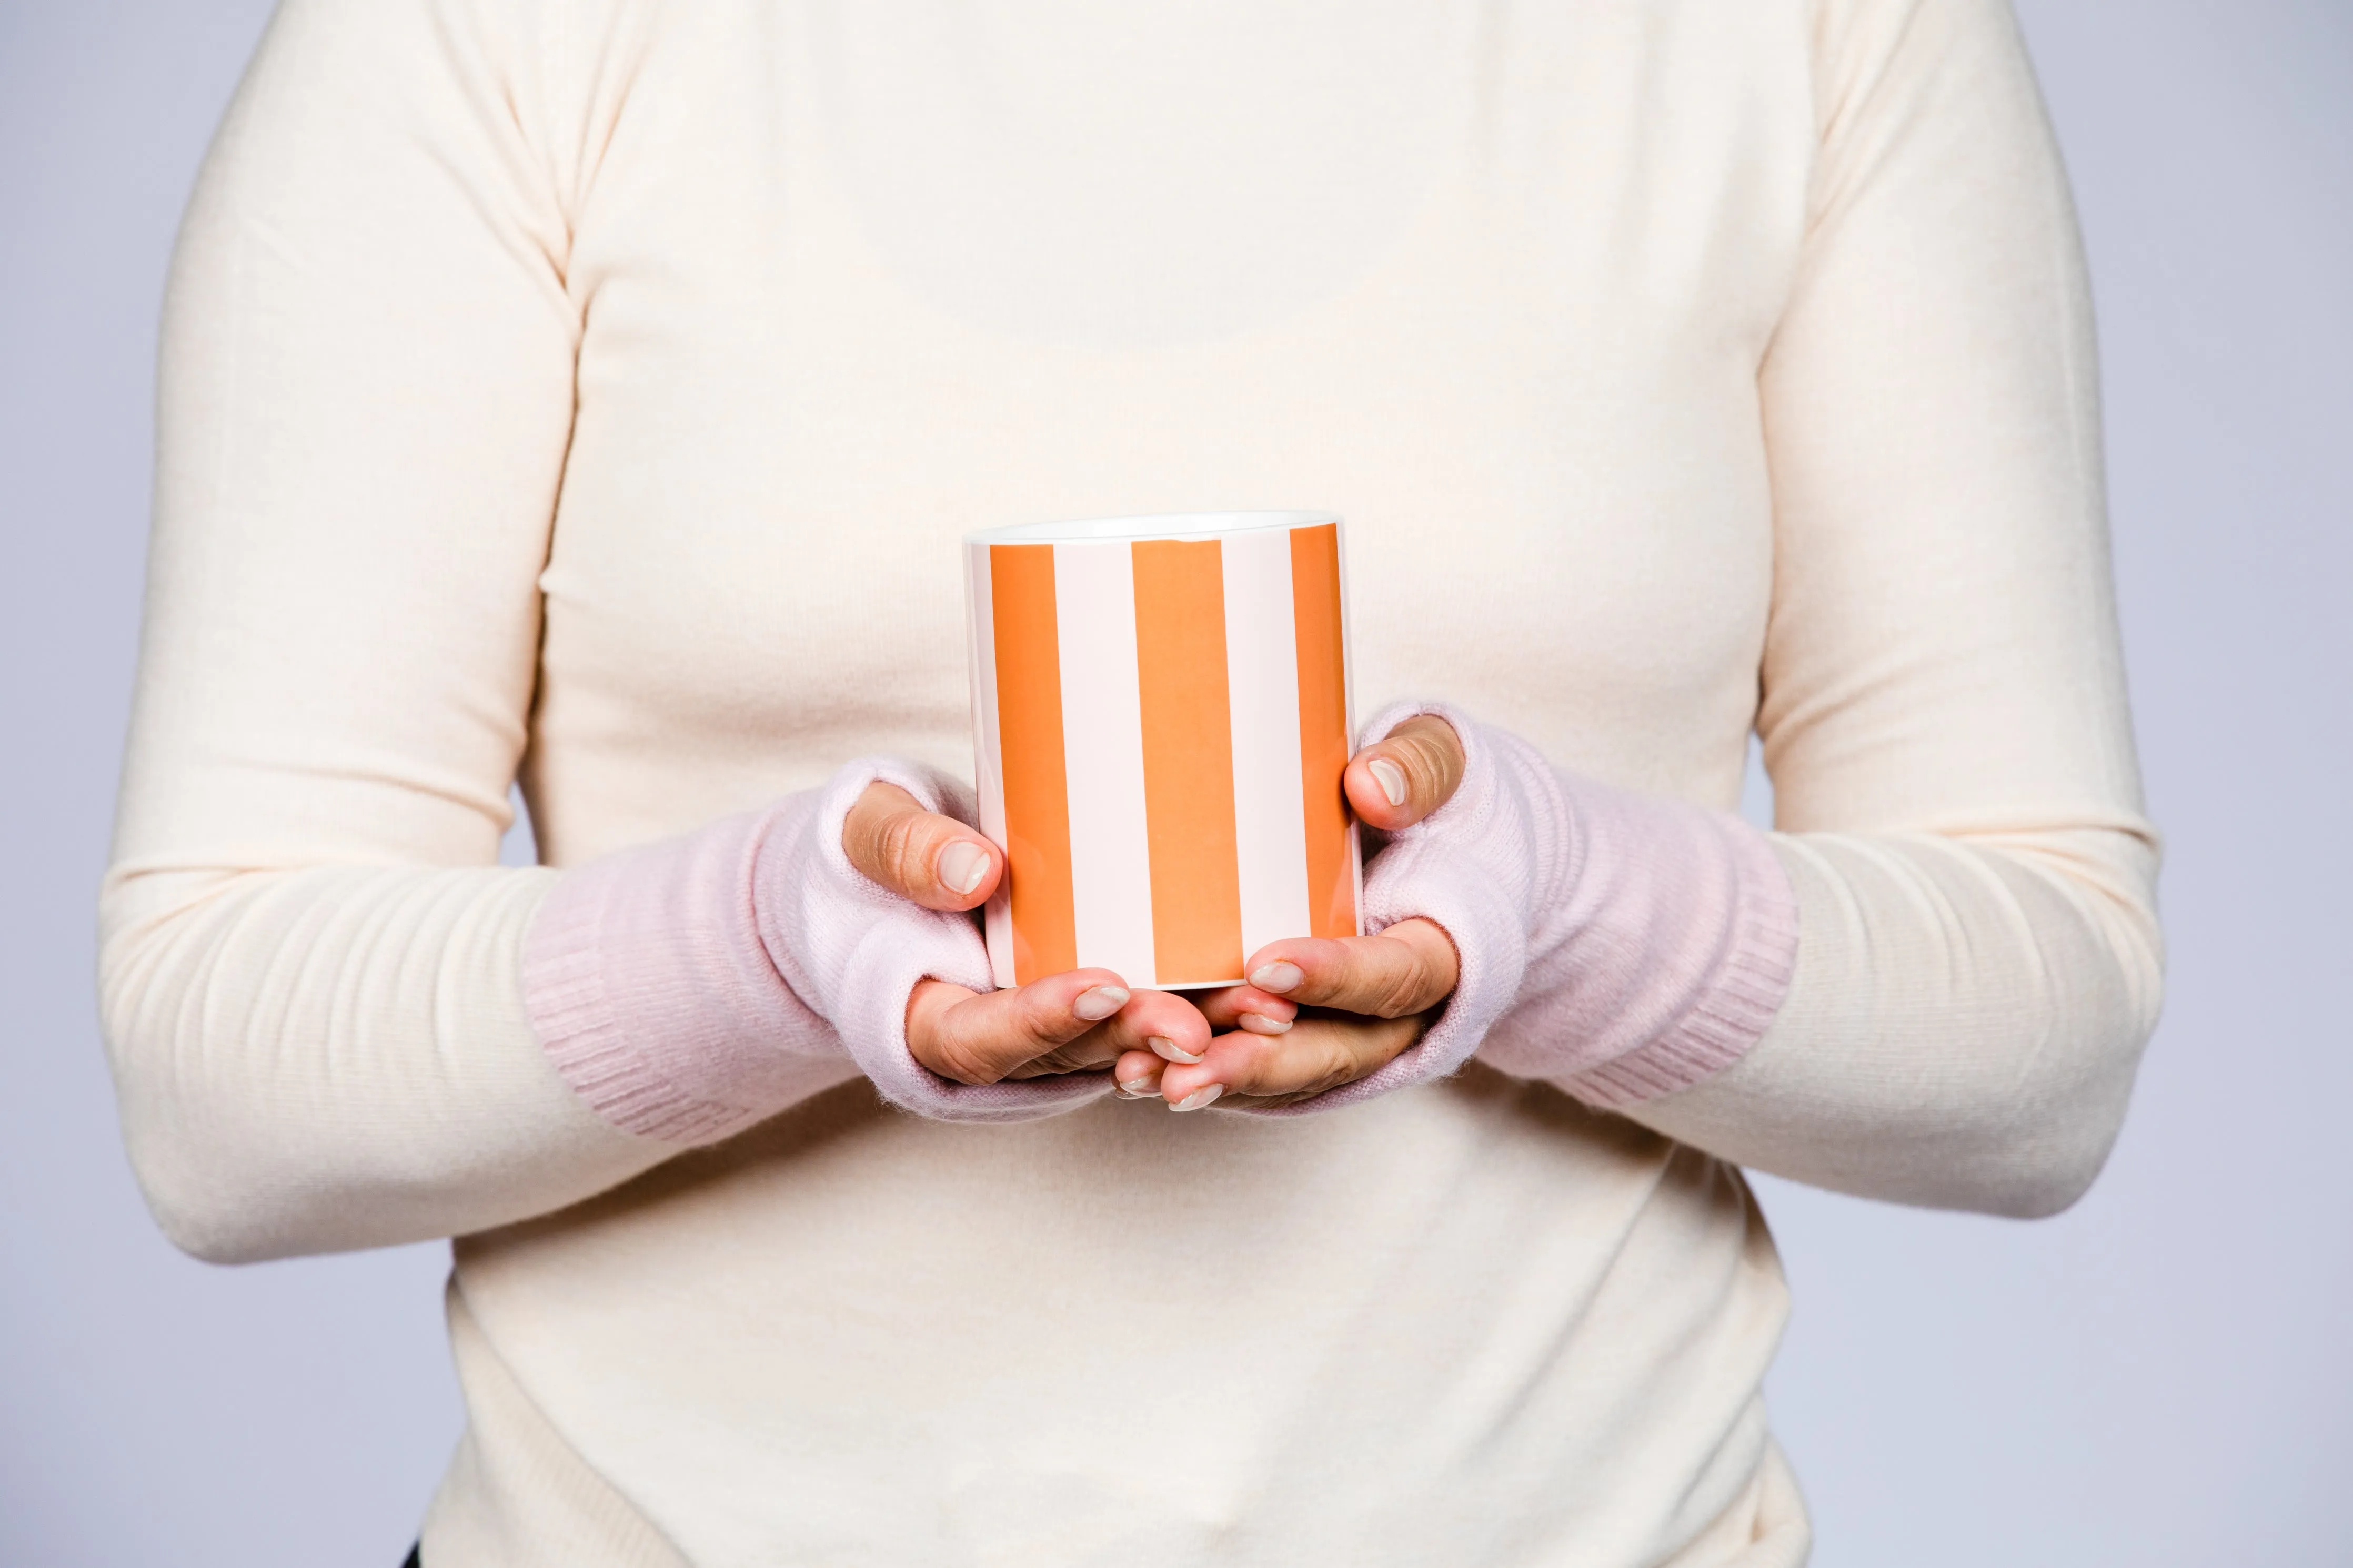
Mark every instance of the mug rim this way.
pixel 1149 525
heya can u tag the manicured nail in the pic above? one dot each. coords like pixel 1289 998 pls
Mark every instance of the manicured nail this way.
pixel 1390 777
pixel 1100 1003
pixel 1260 1024
pixel 1165 1049
pixel 962 866
pixel 1205 1095
pixel 1144 1088
pixel 1279 977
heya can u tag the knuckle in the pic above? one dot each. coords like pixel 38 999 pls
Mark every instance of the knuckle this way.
pixel 1415 982
pixel 871 828
pixel 1430 754
pixel 904 843
pixel 1397 991
pixel 1061 1060
pixel 956 1064
pixel 1248 1064
pixel 1039 1026
pixel 1339 1065
pixel 1426 766
pixel 911 845
pixel 956 1055
pixel 858 842
pixel 1298 1072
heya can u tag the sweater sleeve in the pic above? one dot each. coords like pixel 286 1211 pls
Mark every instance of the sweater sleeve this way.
pixel 310 971
pixel 1943 707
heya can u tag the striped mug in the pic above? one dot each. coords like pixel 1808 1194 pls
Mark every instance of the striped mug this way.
pixel 1162 718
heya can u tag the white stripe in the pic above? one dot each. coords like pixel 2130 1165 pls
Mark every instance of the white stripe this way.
pixel 1348 708
pixel 988 772
pixel 1263 695
pixel 1103 757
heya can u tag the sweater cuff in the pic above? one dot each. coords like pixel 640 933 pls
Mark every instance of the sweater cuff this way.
pixel 1733 1004
pixel 652 997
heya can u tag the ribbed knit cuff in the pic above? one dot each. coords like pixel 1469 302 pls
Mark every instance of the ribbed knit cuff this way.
pixel 583 1037
pixel 1662 956
pixel 1733 1006
pixel 653 998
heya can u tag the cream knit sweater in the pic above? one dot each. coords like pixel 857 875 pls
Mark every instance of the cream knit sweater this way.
pixel 600 388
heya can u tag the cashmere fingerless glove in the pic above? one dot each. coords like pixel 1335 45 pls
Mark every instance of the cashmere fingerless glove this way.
pixel 1621 946
pixel 689 988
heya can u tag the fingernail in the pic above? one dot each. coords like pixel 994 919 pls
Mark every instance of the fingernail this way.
pixel 1100 1003
pixel 1279 977
pixel 1390 777
pixel 962 866
pixel 1260 1024
pixel 1140 1087
pixel 1205 1095
pixel 1165 1049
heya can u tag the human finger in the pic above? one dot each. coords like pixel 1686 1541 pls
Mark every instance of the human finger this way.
pixel 1320 1052
pixel 1408 967
pixel 1247 1007
pixel 1137 1073
pixel 1158 1023
pixel 934 860
pixel 1406 775
pixel 982 1036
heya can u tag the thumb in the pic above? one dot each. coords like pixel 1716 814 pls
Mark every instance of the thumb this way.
pixel 1403 777
pixel 930 860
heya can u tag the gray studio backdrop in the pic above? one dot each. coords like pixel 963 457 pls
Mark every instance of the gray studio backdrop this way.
pixel 2163 1377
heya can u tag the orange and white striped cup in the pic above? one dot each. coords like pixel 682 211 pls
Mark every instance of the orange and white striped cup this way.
pixel 1162 720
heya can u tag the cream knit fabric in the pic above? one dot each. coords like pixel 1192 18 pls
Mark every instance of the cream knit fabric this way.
pixel 600 389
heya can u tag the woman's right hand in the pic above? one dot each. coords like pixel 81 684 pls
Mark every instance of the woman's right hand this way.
pixel 1081 1021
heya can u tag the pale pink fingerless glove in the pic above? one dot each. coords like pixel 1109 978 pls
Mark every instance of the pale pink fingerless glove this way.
pixel 689 988
pixel 1618 945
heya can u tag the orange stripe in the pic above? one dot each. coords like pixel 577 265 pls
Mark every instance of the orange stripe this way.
pixel 1188 761
pixel 1029 730
pixel 1323 727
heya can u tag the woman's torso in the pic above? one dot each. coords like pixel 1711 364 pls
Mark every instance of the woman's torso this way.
pixel 1491 281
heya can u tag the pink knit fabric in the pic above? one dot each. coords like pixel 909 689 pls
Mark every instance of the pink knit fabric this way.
pixel 1621 946
pixel 689 988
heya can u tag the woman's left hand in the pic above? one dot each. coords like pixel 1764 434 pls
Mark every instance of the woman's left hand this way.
pixel 1322 1012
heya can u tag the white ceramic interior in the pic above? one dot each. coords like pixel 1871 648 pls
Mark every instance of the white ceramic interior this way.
pixel 1156 525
